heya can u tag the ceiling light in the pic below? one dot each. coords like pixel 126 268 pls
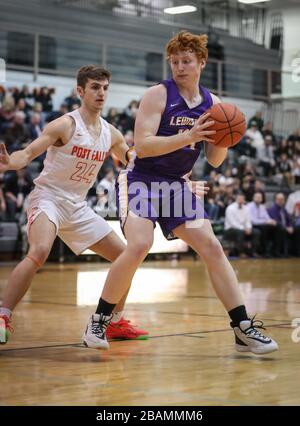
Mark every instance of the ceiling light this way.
pixel 180 9
pixel 252 1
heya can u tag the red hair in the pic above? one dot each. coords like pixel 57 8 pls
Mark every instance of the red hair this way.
pixel 186 41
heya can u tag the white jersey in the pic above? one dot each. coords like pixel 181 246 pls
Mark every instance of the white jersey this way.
pixel 71 170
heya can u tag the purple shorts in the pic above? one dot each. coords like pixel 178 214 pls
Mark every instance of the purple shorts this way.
pixel 160 199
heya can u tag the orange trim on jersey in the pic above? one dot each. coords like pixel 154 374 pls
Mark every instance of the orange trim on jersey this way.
pixel 38 264
pixel 33 215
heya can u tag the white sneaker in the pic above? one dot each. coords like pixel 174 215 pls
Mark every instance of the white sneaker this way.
pixel 94 335
pixel 249 339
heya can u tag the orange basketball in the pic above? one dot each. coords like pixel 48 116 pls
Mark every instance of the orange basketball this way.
pixel 230 124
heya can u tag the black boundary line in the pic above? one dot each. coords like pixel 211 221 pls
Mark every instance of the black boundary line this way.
pixel 186 297
pixel 160 312
pixel 209 315
pixel 188 334
pixel 40 347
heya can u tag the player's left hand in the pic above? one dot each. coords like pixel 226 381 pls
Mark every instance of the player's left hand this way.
pixel 130 154
pixel 198 187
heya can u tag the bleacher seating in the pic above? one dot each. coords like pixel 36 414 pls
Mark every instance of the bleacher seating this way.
pixel 9 237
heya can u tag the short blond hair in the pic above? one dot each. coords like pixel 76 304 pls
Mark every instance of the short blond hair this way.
pixel 186 41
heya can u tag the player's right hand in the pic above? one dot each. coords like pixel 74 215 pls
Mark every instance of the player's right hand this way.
pixel 200 131
pixel 4 158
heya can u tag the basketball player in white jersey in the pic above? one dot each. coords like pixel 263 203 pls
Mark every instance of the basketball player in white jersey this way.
pixel 77 144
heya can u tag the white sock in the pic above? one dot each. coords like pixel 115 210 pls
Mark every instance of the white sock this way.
pixel 117 316
pixel 6 312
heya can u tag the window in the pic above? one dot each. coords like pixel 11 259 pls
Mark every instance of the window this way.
pixel 129 64
pixel 17 48
pixel 67 55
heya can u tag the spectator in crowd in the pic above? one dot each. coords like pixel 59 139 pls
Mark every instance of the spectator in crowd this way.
pixel 27 96
pixel 259 186
pixel 38 109
pixel 284 169
pixel 282 148
pixel 255 135
pixel 268 131
pixel 283 219
pixel 294 136
pixel 17 185
pixel 257 119
pixel 211 204
pixel 63 109
pixel 296 170
pixel 238 227
pixel 245 148
pixel 247 170
pixel 35 128
pixel 229 195
pixel 44 96
pixel 17 134
pixel 113 117
pixel 296 150
pixel 7 113
pixel 293 203
pixel 293 208
pixel 261 221
pixel 265 156
pixel 127 118
pixel 21 106
pixel 72 100
pixel 247 187
pixel 227 178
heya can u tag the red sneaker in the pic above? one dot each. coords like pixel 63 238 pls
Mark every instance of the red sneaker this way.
pixel 124 329
pixel 5 329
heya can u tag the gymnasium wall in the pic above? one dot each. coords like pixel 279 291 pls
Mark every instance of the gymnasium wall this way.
pixel 134 33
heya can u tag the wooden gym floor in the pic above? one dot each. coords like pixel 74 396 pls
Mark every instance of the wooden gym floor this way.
pixel 188 360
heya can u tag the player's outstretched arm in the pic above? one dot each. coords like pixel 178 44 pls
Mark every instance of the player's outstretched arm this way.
pixel 119 146
pixel 147 144
pixel 57 130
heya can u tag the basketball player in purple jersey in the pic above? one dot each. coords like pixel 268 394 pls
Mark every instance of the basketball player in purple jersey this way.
pixel 170 131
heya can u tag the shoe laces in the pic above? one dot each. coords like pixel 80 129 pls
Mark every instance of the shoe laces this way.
pixel 126 323
pixel 252 330
pixel 99 327
pixel 7 323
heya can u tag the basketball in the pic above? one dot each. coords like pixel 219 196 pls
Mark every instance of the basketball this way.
pixel 230 124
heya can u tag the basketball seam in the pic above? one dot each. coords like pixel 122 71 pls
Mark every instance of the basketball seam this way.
pixel 235 131
pixel 236 124
pixel 229 121
pixel 220 105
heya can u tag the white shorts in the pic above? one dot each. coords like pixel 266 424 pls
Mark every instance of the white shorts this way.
pixel 76 224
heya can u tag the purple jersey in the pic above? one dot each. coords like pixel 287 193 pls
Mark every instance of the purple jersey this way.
pixel 176 118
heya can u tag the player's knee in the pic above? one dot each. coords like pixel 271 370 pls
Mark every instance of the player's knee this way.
pixel 141 248
pixel 212 249
pixel 39 253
